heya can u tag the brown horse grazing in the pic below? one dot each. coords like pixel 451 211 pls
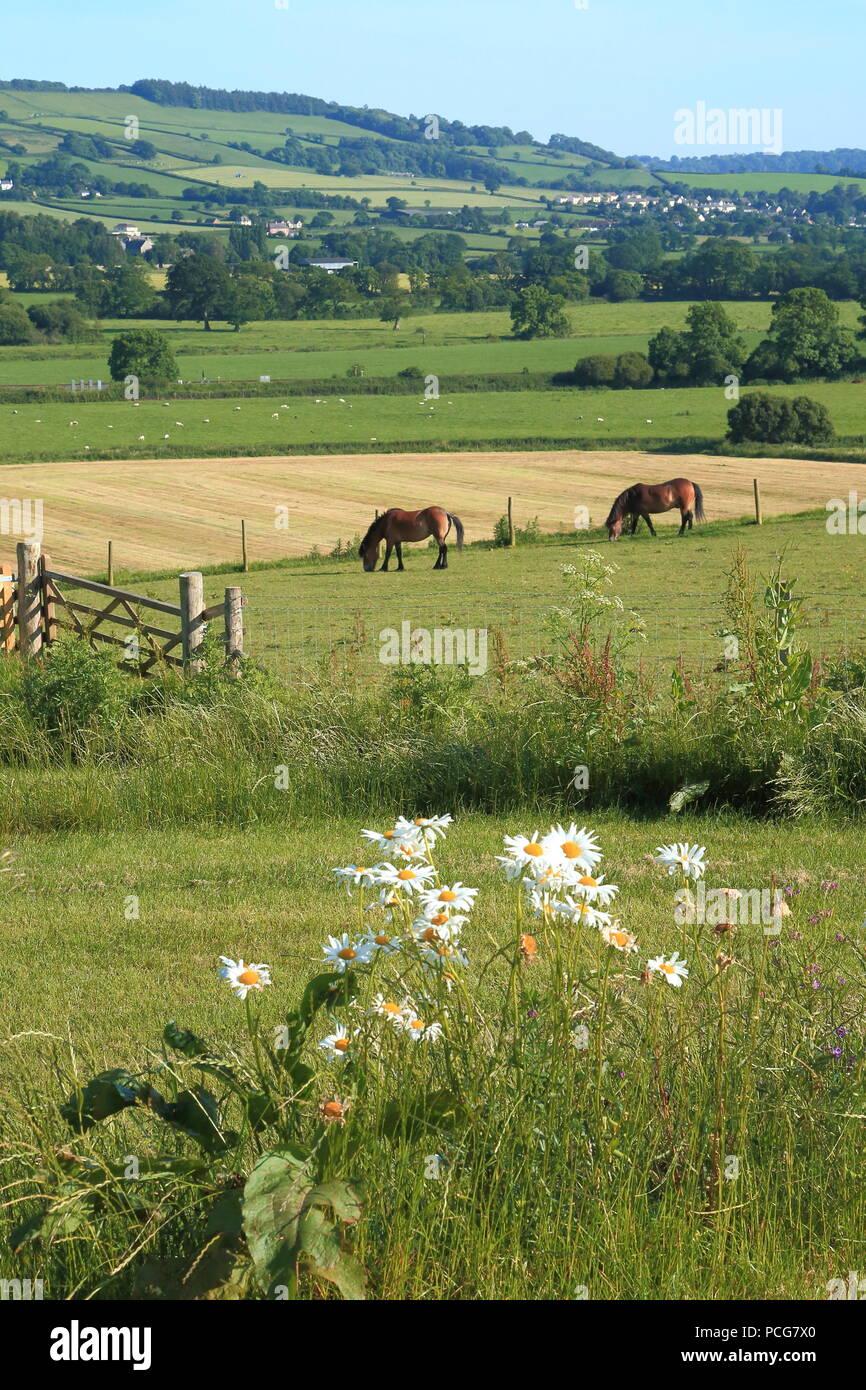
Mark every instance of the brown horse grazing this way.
pixel 394 527
pixel 641 499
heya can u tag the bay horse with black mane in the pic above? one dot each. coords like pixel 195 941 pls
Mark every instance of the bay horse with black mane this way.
pixel 394 527
pixel 643 498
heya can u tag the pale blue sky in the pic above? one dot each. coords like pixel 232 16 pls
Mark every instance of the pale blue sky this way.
pixel 614 73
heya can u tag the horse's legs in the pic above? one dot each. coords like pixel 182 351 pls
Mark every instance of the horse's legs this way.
pixel 687 520
pixel 398 546
pixel 652 529
pixel 442 561
pixel 384 565
pixel 634 521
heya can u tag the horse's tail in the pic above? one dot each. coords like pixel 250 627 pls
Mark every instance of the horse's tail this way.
pixel 458 527
pixel 699 503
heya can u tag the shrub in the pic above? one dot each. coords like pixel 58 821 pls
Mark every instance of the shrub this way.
pixel 596 370
pixel 632 370
pixel 75 687
pixel 770 419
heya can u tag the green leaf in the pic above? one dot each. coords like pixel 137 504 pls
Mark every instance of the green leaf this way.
pixel 690 792
pixel 182 1040
pixel 104 1095
pixel 287 1223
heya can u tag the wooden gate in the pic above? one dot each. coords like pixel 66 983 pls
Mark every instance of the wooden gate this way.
pixel 154 633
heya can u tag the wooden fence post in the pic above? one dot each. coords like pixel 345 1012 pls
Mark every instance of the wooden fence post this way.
pixel 244 546
pixel 7 616
pixel 234 624
pixel 49 607
pixel 510 524
pixel 759 515
pixel 29 599
pixel 192 621
pixel 110 579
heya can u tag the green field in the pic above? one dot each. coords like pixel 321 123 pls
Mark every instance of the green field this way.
pixel 444 344
pixel 481 419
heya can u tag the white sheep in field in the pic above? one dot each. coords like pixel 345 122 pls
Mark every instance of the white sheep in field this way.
pixel 166 436
pixel 276 415
pixel 599 419
pixel 647 422
pixel 71 422
pixel 141 437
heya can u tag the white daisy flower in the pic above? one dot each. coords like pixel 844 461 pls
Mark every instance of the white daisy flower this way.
pixel 389 901
pixel 243 978
pixel 342 953
pixel 359 875
pixel 522 852
pixel 426 828
pixel 382 941
pixel 389 1009
pixel 419 1031
pixel 683 858
pixel 411 877
pixel 674 970
pixel 442 955
pixel 337 1044
pixel 448 898
pixel 615 936
pixel 440 927
pixel 594 890
pixel 580 914
pixel 385 842
pixel 578 848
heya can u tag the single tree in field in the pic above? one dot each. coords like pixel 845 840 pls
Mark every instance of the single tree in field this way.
pixel 713 347
pixel 536 313
pixel 197 288
pixel 805 339
pixel 142 352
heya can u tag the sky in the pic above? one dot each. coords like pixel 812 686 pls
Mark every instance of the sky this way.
pixel 615 72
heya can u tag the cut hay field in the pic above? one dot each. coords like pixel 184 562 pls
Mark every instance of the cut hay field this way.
pixel 165 514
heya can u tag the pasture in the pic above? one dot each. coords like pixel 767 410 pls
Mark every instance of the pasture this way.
pixel 486 420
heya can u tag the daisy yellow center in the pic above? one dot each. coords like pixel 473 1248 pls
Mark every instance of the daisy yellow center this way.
pixel 249 977
pixel 429 934
pixel 360 869
pixel 347 953
pixel 619 938
pixel 419 820
pixel 341 1045
pixel 417 1024
pixel 439 919
pixel 667 968
pixel 406 873
pixel 447 896
pixel 391 1008
pixel 388 835
pixel 588 882
pixel 332 1109
pixel 533 849
pixel 571 850
pixel 382 940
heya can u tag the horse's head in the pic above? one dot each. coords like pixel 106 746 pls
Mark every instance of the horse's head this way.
pixel 614 527
pixel 369 547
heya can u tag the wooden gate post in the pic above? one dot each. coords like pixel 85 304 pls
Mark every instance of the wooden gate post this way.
pixel 7 614
pixel 234 623
pixel 49 606
pixel 192 618
pixel 510 524
pixel 29 599
pixel 759 515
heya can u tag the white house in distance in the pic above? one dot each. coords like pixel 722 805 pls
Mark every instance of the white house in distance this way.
pixel 127 229
pixel 330 263
pixel 6 185
pixel 281 227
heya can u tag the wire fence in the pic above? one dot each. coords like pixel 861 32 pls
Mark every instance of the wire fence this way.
pixel 473 628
